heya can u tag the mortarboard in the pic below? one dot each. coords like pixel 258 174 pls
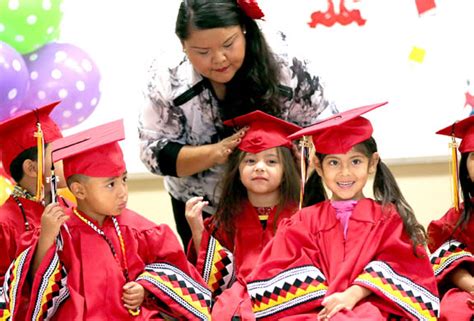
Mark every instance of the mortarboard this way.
pixel 463 129
pixel 265 131
pixel 94 152
pixel 20 132
pixel 339 133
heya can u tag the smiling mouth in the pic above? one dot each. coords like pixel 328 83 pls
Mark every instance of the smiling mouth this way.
pixel 345 184
pixel 222 69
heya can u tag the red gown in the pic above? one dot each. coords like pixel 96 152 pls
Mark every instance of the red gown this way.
pixel 80 279
pixel 309 259
pixel 450 251
pixel 221 258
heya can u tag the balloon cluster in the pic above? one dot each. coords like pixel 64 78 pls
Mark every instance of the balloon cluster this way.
pixel 35 70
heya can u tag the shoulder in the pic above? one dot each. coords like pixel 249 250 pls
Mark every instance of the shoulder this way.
pixel 168 78
pixel 8 210
pixel 133 220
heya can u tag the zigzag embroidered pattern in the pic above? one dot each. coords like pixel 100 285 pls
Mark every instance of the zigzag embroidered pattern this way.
pixel 448 253
pixel 411 297
pixel 52 290
pixel 218 271
pixel 286 290
pixel 13 277
pixel 180 287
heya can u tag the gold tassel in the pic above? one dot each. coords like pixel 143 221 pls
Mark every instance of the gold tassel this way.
pixel 454 171
pixel 304 144
pixel 40 162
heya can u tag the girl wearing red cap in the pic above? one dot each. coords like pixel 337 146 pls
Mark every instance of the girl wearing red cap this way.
pixel 259 189
pixel 346 258
pixel 451 238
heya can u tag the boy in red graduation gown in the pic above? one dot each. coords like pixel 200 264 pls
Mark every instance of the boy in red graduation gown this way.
pixel 25 137
pixel 108 262
pixel 346 258
pixel 451 238
pixel 260 187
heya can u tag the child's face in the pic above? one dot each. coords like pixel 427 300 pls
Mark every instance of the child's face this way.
pixel 216 53
pixel 470 166
pixel 346 174
pixel 261 173
pixel 104 196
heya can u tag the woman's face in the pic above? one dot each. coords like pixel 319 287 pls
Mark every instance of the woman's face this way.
pixel 216 53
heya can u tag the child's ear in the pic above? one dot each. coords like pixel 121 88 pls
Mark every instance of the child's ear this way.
pixel 317 165
pixel 30 168
pixel 78 190
pixel 374 160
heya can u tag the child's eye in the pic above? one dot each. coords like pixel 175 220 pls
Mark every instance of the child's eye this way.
pixel 272 161
pixel 125 179
pixel 111 185
pixel 356 161
pixel 228 45
pixel 332 162
pixel 250 161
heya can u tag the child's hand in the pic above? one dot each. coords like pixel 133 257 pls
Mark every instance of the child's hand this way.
pixel 342 301
pixel 133 295
pixel 193 214
pixel 51 220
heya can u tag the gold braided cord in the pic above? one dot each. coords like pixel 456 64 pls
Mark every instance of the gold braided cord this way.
pixel 454 172
pixel 40 161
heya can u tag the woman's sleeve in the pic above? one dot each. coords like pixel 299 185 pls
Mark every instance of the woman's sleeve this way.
pixel 170 278
pixel 161 125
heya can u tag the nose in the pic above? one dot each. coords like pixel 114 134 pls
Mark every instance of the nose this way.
pixel 219 58
pixel 345 170
pixel 122 191
pixel 260 166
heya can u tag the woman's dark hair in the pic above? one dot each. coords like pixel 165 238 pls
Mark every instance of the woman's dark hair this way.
pixel 16 166
pixel 234 192
pixel 467 188
pixel 255 85
pixel 386 191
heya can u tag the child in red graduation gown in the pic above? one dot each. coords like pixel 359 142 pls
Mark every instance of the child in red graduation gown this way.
pixel 451 238
pixel 259 189
pixel 20 215
pixel 108 262
pixel 346 258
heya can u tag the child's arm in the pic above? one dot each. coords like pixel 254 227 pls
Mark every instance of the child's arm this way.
pixel 193 214
pixel 342 300
pixel 51 220
pixel 463 279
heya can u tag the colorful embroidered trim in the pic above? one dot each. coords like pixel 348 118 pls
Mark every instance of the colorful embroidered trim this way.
pixel 13 276
pixel 4 312
pixel 408 295
pixel 286 290
pixel 52 290
pixel 180 287
pixel 219 269
pixel 448 253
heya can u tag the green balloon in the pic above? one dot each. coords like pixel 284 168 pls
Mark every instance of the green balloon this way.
pixel 27 25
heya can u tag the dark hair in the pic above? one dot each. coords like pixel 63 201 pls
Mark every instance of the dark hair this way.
pixel 386 191
pixel 467 187
pixel 234 192
pixel 16 166
pixel 255 85
pixel 314 191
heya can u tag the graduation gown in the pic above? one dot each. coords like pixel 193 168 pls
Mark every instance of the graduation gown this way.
pixel 80 279
pixel 309 259
pixel 222 258
pixel 449 251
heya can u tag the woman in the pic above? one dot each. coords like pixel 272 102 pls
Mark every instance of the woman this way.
pixel 228 70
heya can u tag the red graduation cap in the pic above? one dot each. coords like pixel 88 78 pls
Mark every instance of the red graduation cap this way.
pixel 18 133
pixel 463 129
pixel 339 133
pixel 94 152
pixel 265 131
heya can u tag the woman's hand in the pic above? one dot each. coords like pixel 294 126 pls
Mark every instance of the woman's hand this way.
pixel 225 147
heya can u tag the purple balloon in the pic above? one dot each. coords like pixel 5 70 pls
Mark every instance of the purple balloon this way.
pixel 61 71
pixel 14 80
